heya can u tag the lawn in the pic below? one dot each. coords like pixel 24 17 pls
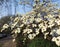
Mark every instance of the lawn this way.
pixel 40 42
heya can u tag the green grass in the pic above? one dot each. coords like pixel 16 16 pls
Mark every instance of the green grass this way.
pixel 37 42
pixel 40 42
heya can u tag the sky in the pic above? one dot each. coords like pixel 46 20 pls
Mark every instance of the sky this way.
pixel 20 8
pixel 29 9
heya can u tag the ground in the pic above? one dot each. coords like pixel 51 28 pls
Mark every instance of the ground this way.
pixel 7 42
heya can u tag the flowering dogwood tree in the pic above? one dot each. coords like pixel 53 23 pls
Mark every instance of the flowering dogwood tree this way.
pixel 39 20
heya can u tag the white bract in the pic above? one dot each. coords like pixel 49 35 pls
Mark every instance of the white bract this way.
pixel 13 40
pixel 50 16
pixel 34 25
pixel 16 30
pixel 5 26
pixel 16 19
pixel 21 25
pixel 37 31
pixel 45 35
pixel 50 25
pixel 57 21
pixel 40 25
pixel 38 20
pixel 54 39
pixel 43 29
pixel 27 31
pixel 34 34
pixel 13 25
pixel 31 36
pixel 58 31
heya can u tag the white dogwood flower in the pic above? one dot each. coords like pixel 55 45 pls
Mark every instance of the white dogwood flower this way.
pixel 43 29
pixel 45 35
pixel 38 20
pixel 50 16
pixel 52 31
pixel 57 21
pixel 16 19
pixel 30 36
pixel 54 39
pixel 30 20
pixel 2 29
pixel 13 40
pixel 40 25
pixel 21 25
pixel 13 25
pixel 34 34
pixel 58 41
pixel 58 31
pixel 24 21
pixel 16 30
pixel 39 15
pixel 23 17
pixel 34 25
pixel 37 31
pixel 51 21
pixel 50 25
pixel 5 26
pixel 27 31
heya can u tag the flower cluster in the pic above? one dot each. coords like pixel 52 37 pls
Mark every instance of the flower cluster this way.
pixel 4 27
pixel 32 26
pixel 57 40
